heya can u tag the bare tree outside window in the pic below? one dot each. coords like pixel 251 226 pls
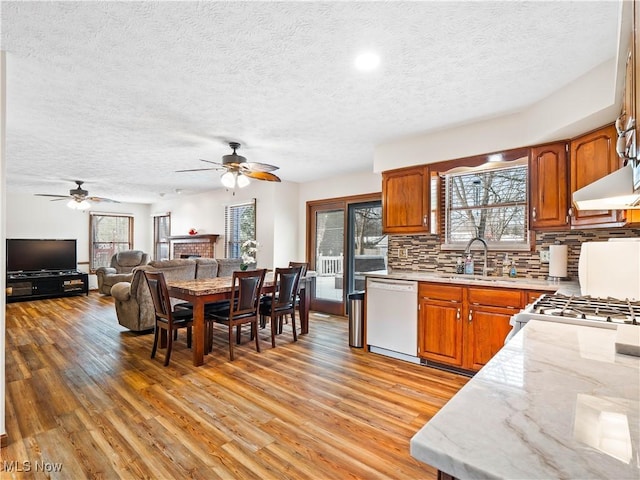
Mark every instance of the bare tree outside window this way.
pixel 368 230
pixel 110 233
pixel 490 204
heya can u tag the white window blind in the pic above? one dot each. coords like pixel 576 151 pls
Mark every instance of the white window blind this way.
pixel 240 226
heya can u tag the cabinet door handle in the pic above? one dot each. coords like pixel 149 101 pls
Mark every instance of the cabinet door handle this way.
pixel 470 315
pixel 424 220
pixel 534 214
pixel 458 315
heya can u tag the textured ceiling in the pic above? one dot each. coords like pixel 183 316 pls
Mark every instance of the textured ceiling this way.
pixel 122 94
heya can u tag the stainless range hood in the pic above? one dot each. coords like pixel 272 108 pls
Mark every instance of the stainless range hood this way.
pixel 616 191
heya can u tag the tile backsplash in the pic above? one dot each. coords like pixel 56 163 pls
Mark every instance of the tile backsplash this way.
pixel 424 254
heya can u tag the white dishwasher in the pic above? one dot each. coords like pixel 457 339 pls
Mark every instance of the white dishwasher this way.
pixel 392 318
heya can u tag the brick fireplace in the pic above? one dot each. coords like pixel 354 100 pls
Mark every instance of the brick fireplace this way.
pixel 184 246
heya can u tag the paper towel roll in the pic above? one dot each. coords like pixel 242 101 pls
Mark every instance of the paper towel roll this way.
pixel 558 261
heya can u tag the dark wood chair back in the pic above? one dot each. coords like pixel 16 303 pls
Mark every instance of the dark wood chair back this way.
pixel 246 289
pixel 283 301
pixel 245 293
pixel 159 294
pixel 304 266
pixel 166 318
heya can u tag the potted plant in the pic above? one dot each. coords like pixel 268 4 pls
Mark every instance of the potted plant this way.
pixel 248 252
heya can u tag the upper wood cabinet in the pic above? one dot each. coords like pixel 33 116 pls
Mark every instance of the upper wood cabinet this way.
pixel 549 187
pixel 405 200
pixel 592 157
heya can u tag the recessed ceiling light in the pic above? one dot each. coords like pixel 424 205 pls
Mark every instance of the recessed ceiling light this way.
pixel 366 62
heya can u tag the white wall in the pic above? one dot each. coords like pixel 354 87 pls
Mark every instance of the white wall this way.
pixel 276 208
pixel 342 186
pixel 3 236
pixel 589 102
pixel 29 216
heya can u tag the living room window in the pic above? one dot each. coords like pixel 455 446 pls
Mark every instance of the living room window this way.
pixel 489 202
pixel 240 226
pixel 109 233
pixel 161 232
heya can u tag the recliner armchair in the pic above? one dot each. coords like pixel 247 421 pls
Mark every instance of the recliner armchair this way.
pixel 122 265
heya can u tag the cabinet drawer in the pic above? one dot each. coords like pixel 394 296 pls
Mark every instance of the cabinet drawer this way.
pixel 496 297
pixel 533 295
pixel 438 291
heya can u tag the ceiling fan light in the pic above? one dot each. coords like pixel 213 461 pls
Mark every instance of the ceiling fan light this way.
pixel 78 205
pixel 243 181
pixel 228 179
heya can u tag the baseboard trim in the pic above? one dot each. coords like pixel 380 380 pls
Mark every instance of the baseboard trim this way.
pixel 4 440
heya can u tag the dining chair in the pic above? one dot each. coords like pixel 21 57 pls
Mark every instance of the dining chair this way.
pixel 243 306
pixel 167 318
pixel 304 266
pixel 282 302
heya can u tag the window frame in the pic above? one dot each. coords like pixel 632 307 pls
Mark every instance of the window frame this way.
pixel 440 168
pixel 93 219
pixel 156 235
pixel 232 245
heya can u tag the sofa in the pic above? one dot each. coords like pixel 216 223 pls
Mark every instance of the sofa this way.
pixel 120 269
pixel 134 306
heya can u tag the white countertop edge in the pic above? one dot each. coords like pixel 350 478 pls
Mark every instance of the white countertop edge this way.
pixel 451 444
pixel 570 287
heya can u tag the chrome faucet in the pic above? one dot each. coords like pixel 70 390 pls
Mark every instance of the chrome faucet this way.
pixel 467 250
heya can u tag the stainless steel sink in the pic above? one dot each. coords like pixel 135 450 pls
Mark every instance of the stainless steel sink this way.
pixel 473 278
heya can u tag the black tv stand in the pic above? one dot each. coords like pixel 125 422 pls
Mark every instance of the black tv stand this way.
pixel 46 284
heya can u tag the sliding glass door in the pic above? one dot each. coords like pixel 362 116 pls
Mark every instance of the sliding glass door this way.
pixel 344 239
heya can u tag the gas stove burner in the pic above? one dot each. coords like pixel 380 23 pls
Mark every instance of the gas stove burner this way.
pixel 588 308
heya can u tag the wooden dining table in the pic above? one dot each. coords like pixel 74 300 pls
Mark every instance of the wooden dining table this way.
pixel 206 290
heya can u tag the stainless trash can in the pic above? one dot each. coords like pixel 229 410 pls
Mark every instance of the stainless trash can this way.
pixel 356 331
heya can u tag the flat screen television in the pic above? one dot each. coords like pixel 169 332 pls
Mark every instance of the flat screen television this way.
pixel 37 255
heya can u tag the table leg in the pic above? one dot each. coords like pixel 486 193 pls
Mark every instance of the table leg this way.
pixel 198 341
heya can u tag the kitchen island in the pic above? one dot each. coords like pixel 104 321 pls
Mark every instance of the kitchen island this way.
pixel 555 402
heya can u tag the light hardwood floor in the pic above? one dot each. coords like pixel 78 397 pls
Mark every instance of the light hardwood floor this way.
pixel 84 396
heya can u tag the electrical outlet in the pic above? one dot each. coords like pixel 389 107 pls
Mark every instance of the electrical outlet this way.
pixel 544 256
pixel 403 252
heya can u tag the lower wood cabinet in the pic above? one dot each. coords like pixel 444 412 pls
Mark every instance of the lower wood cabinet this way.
pixel 441 329
pixel 487 327
pixel 463 326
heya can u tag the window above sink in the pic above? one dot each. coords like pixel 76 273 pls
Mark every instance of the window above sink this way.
pixel 487 198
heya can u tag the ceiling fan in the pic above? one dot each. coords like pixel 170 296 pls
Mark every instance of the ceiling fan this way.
pixel 238 170
pixel 79 198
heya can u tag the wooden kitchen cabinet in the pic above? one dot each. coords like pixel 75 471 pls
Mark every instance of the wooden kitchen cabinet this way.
pixel 464 327
pixel 441 326
pixel 592 156
pixel 549 187
pixel 488 315
pixel 405 200
pixel 487 327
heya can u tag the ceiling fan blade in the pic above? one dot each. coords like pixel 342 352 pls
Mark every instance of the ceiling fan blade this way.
pixel 209 161
pixel 259 167
pixel 101 199
pixel 198 169
pixel 55 198
pixel 269 177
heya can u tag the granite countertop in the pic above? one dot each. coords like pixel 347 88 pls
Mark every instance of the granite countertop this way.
pixel 564 287
pixel 555 402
